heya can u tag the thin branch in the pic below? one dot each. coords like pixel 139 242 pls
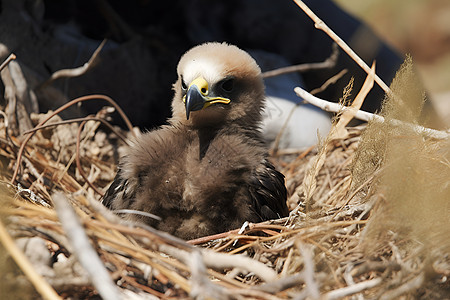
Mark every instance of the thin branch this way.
pixel 78 160
pixel 76 71
pixel 222 261
pixel 42 286
pixel 319 24
pixel 276 143
pixel 282 284
pixel 329 82
pixel 60 109
pixel 83 249
pixel 79 120
pixel 312 287
pixel 366 116
pixel 11 57
pixel 413 284
pixel 353 289
pixel 326 64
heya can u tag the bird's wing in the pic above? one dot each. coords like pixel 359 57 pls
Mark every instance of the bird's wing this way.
pixel 268 192
pixel 119 192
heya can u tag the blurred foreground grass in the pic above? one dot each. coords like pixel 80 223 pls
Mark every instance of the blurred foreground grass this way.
pixel 417 27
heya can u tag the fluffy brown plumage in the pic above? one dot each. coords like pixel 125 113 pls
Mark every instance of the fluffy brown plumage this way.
pixel 206 172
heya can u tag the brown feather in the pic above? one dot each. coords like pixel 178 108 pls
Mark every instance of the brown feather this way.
pixel 207 174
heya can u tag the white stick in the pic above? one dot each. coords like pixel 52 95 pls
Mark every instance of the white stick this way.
pixel 83 249
pixel 366 116
pixel 352 289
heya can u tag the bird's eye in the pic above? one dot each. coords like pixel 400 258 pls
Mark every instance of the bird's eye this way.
pixel 228 84
pixel 183 85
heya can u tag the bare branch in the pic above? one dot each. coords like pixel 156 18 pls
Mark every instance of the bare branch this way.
pixel 83 249
pixel 319 24
pixel 76 71
pixel 366 116
pixel 328 63
pixel 353 289
pixel 42 286
pixel 60 109
pixel 11 57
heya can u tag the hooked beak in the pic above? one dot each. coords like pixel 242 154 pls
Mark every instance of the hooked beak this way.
pixel 197 96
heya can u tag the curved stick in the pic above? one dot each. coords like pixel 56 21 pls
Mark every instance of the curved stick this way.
pixel 65 106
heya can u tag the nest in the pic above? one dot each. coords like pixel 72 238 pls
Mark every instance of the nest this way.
pixel 357 228
pixel 320 250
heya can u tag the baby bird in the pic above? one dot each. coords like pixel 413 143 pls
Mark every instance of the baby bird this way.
pixel 207 171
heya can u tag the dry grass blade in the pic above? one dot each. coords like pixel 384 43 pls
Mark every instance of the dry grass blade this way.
pixel 322 26
pixel 42 286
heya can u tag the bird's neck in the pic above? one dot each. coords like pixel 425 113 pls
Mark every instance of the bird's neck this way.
pixel 205 135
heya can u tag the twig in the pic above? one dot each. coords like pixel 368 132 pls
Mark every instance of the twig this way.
pixel 347 115
pixel 60 109
pixel 7 135
pixel 281 284
pixel 223 261
pixel 216 260
pixel 319 24
pixel 308 271
pixel 366 116
pixel 328 63
pixel 413 284
pixel 353 289
pixel 78 161
pixel 11 57
pixel 83 249
pixel 42 286
pixel 329 82
pixel 137 212
pixel 200 283
pixel 276 143
pixel 79 120
pixel 73 72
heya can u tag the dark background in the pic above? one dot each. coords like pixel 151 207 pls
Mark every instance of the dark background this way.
pixel 146 39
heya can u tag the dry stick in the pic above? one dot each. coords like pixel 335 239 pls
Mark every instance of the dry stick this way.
pixel 281 284
pixel 78 161
pixel 7 136
pixel 346 116
pixel 319 24
pixel 413 284
pixel 353 289
pixel 312 287
pixel 276 143
pixel 42 286
pixel 60 109
pixel 79 120
pixel 251 227
pixel 222 261
pixel 329 82
pixel 328 63
pixel 366 116
pixel 83 249
pixel 200 283
pixel 73 72
pixel 11 57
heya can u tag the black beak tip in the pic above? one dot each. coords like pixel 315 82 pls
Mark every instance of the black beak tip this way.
pixel 194 100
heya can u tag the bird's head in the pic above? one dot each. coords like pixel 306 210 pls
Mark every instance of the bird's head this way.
pixel 217 83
